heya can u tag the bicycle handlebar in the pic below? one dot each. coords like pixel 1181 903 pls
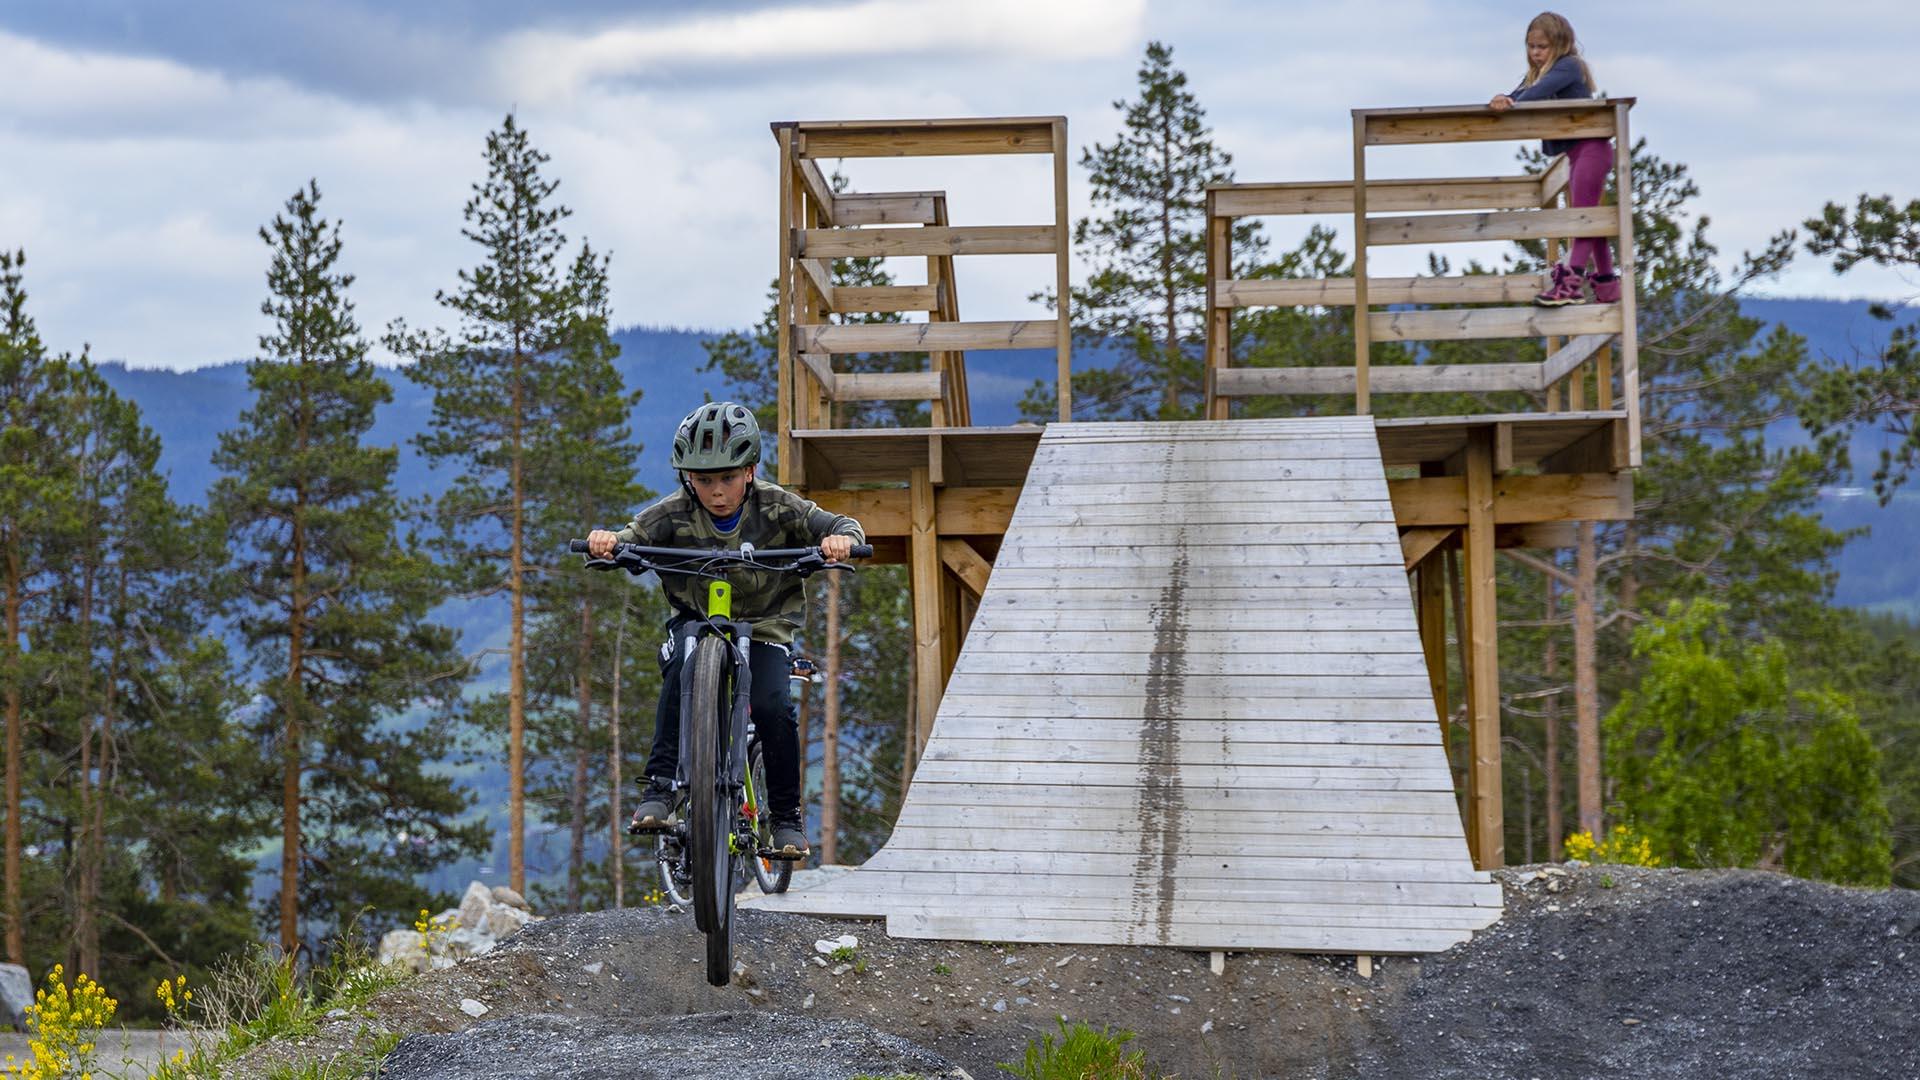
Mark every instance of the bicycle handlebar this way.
pixel 648 558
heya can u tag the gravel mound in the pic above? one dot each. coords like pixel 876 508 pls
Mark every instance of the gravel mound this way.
pixel 707 1046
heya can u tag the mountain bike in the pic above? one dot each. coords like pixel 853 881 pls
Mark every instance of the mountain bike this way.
pixel 725 832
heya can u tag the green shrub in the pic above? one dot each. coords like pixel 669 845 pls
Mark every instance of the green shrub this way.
pixel 1082 1053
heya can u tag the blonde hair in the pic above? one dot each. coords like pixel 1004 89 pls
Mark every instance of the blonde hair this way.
pixel 1560 43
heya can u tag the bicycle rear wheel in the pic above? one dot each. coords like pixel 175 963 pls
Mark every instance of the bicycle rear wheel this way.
pixel 774 875
pixel 709 817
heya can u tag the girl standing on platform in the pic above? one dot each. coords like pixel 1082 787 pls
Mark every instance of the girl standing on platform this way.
pixel 1556 70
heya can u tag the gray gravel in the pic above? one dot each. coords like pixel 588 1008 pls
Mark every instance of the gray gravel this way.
pixel 706 1046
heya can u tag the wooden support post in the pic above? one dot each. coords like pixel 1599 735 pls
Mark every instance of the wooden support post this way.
pixel 1062 285
pixel 809 311
pixel 1463 780
pixel 783 311
pixel 1586 692
pixel 1219 317
pixel 937 361
pixel 1603 377
pixel 1624 266
pixel 924 564
pixel 1362 405
pixel 1483 657
pixel 1431 609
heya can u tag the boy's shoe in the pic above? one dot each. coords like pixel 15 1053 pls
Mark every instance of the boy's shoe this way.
pixel 1566 288
pixel 655 812
pixel 789 839
pixel 1606 288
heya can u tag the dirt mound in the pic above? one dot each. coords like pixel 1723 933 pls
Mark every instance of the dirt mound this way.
pixel 1595 972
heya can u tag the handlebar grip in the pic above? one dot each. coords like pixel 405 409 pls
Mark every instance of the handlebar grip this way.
pixel 578 546
pixel 861 551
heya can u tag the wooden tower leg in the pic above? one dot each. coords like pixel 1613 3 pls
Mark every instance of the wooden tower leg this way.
pixel 1483 658
pixel 924 566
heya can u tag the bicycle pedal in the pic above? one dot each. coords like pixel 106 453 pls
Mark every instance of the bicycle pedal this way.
pixel 782 854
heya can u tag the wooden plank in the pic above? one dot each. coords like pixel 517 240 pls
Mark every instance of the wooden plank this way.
pixel 1239 752
pixel 1526 120
pixel 1133 684
pixel 1626 266
pixel 1177 469
pixel 1339 292
pixel 1383 196
pixel 1362 323
pixel 1000 616
pixel 1219 313
pixel 1044 796
pixel 1196 662
pixel 1327 511
pixel 1034 536
pixel 1178 935
pixel 925 337
pixel 1554 180
pixel 962 511
pixel 820 365
pixel 1121 555
pixel 1395 379
pixel 928 240
pixel 1497 225
pixel 1471 324
pixel 931 884
pixel 789 472
pixel 1242 843
pixel 925 138
pixel 1192 491
pixel 966 563
pixel 1603 450
pixel 885 298
pixel 1419 542
pixel 982 700
pixel 820 190
pixel 1062 280
pixel 1484 795
pixel 1035 589
pixel 1570 356
pixel 890 386
pixel 924 560
pixel 820 278
pixel 884 208
pixel 1442 500
pixel 1341 733
pixel 1064 454
pixel 1299 868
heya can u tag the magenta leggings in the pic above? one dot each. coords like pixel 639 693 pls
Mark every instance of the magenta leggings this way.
pixel 1589 160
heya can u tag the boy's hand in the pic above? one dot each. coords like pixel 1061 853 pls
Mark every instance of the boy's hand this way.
pixel 836 548
pixel 600 543
pixel 1500 103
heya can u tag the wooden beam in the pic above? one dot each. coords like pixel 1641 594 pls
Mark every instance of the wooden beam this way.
pixel 821 367
pixel 966 563
pixel 888 512
pixel 1418 543
pixel 925 337
pixel 1395 379
pixel 884 208
pixel 1442 500
pixel 1502 448
pixel 1453 124
pixel 1603 378
pixel 890 386
pixel 820 189
pixel 1338 292
pixel 1430 610
pixel 820 276
pixel 1629 304
pixel 1538 534
pixel 1570 356
pixel 1220 309
pixel 926 138
pixel 924 574
pixel 928 240
pixel 789 471
pixel 1362 323
pixel 884 298
pixel 1473 324
pixel 1383 196
pixel 1499 225
pixel 1062 270
pixel 1483 654
pixel 1554 180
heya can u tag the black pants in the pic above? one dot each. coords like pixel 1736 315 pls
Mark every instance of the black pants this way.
pixel 773 720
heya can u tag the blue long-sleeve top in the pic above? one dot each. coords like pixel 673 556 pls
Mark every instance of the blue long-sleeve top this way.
pixel 1565 79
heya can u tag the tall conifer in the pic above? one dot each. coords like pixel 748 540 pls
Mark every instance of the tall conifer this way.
pixel 493 386
pixel 334 600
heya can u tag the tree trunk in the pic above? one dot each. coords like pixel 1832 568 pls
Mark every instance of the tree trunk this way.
pixel 583 735
pixel 86 931
pixel 830 733
pixel 290 750
pixel 617 842
pixel 1170 404
pixel 16 922
pixel 517 647
pixel 1586 693
pixel 1555 826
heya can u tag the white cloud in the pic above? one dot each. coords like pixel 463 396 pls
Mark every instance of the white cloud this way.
pixel 547 65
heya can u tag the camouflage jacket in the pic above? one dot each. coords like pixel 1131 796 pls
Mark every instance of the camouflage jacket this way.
pixel 771 517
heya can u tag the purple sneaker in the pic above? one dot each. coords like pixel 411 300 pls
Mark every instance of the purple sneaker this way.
pixel 1566 288
pixel 1606 288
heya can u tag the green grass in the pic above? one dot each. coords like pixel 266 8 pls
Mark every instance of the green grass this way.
pixel 1081 1053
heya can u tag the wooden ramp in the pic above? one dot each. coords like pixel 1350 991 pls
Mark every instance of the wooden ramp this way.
pixel 1192 711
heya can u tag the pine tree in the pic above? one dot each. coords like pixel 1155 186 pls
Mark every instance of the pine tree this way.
pixel 333 601
pixel 493 384
pixel 1146 294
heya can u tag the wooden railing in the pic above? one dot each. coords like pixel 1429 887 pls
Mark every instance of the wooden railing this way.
pixel 1579 338
pixel 819 225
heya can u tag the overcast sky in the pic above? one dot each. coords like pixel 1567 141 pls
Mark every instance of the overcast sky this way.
pixel 142 145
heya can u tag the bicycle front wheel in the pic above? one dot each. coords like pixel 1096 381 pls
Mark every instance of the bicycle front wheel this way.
pixel 709 820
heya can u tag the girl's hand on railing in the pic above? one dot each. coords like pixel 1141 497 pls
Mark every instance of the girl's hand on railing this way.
pixel 1500 103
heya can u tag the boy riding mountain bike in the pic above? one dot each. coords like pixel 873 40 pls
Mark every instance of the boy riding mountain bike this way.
pixel 720 504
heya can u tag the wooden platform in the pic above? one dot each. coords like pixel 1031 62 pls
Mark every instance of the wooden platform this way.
pixel 1192 710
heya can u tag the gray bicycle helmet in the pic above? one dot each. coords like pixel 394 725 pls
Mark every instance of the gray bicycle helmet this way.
pixel 716 436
